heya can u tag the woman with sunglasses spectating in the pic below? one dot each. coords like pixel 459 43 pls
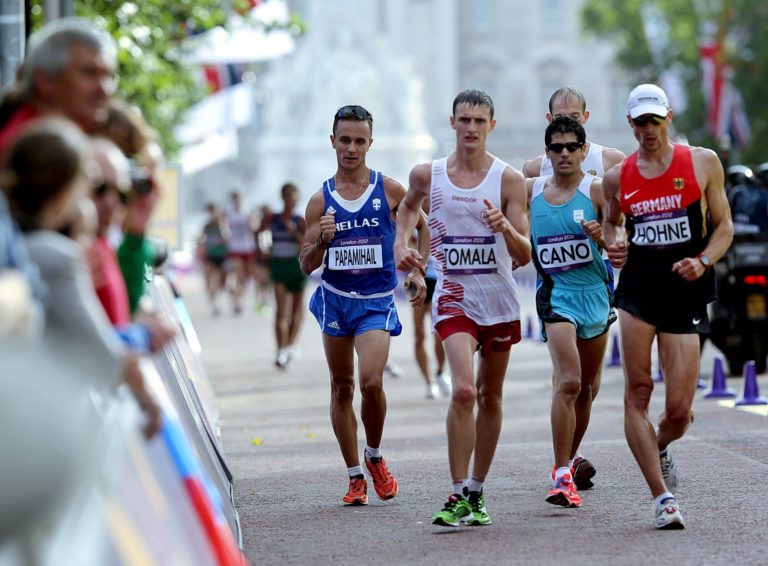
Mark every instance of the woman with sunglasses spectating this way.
pixel 351 233
pixel 678 225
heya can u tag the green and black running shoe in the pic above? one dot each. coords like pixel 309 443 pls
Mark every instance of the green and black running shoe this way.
pixel 455 511
pixel 480 514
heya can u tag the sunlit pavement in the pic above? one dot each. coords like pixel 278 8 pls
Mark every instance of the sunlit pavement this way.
pixel 289 474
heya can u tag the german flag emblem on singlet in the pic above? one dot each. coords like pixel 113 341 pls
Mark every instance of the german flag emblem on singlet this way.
pixel 678 183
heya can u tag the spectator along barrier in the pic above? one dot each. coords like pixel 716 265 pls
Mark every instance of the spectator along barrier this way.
pixel 168 500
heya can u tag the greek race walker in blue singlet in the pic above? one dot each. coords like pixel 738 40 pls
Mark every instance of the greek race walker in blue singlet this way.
pixel 350 234
pixel 573 300
pixel 356 293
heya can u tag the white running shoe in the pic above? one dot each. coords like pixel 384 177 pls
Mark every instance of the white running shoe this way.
pixel 282 360
pixel 393 369
pixel 293 353
pixel 444 382
pixel 668 515
pixel 433 390
pixel 669 472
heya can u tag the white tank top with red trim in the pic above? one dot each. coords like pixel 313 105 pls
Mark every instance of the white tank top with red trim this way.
pixel 473 265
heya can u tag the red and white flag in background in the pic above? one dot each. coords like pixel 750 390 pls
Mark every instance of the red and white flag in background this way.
pixel 726 116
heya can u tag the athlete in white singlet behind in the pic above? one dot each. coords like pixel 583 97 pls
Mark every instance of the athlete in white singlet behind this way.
pixel 478 226
pixel 242 249
pixel 569 101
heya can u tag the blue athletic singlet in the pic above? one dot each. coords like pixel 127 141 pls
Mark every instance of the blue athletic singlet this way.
pixel 562 252
pixel 284 244
pixel 360 259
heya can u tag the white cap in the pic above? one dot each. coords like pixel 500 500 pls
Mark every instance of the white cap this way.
pixel 647 99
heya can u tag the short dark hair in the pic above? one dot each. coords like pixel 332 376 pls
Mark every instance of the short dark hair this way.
pixel 568 93
pixel 352 112
pixel 40 165
pixel 565 125
pixel 287 188
pixel 473 97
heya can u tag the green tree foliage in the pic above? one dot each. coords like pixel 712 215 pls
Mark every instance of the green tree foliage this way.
pixel 743 24
pixel 148 33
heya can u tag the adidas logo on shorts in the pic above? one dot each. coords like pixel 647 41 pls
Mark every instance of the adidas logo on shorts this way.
pixel 333 324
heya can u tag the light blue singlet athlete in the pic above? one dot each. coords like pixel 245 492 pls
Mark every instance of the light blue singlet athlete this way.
pixel 576 286
pixel 358 278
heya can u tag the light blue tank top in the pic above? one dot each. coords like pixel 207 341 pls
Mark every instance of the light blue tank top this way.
pixel 563 254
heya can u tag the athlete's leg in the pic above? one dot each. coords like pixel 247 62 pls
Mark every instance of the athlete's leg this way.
pixel 636 341
pixel 566 386
pixel 281 315
pixel 591 353
pixel 491 370
pixel 340 357
pixel 419 335
pixel 460 422
pixel 238 270
pixel 679 356
pixel 296 316
pixel 372 351
pixel 439 353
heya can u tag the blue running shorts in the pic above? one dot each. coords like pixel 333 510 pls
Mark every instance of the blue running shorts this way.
pixel 588 309
pixel 338 315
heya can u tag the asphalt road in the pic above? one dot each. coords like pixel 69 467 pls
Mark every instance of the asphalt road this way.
pixel 289 474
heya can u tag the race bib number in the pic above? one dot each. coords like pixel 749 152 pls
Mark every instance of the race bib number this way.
pixel 356 255
pixel 662 229
pixel 465 255
pixel 564 252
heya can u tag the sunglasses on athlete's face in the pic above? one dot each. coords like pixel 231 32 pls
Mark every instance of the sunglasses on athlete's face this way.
pixel 357 112
pixel 558 147
pixel 641 121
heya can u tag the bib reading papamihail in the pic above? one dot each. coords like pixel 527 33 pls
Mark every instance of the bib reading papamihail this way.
pixel 360 259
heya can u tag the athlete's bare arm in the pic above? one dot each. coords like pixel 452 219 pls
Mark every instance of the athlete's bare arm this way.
pixel 593 228
pixel 529 188
pixel 513 222
pixel 396 195
pixel 611 157
pixel 709 174
pixel 408 216
pixel 532 167
pixel 320 228
pixel 614 233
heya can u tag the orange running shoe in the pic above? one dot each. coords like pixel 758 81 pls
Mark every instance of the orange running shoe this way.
pixel 564 493
pixel 358 492
pixel 383 481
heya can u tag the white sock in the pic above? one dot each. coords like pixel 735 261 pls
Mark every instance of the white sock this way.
pixel 372 452
pixel 476 485
pixel 460 486
pixel 662 497
pixel 560 472
pixel 576 457
pixel 355 471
